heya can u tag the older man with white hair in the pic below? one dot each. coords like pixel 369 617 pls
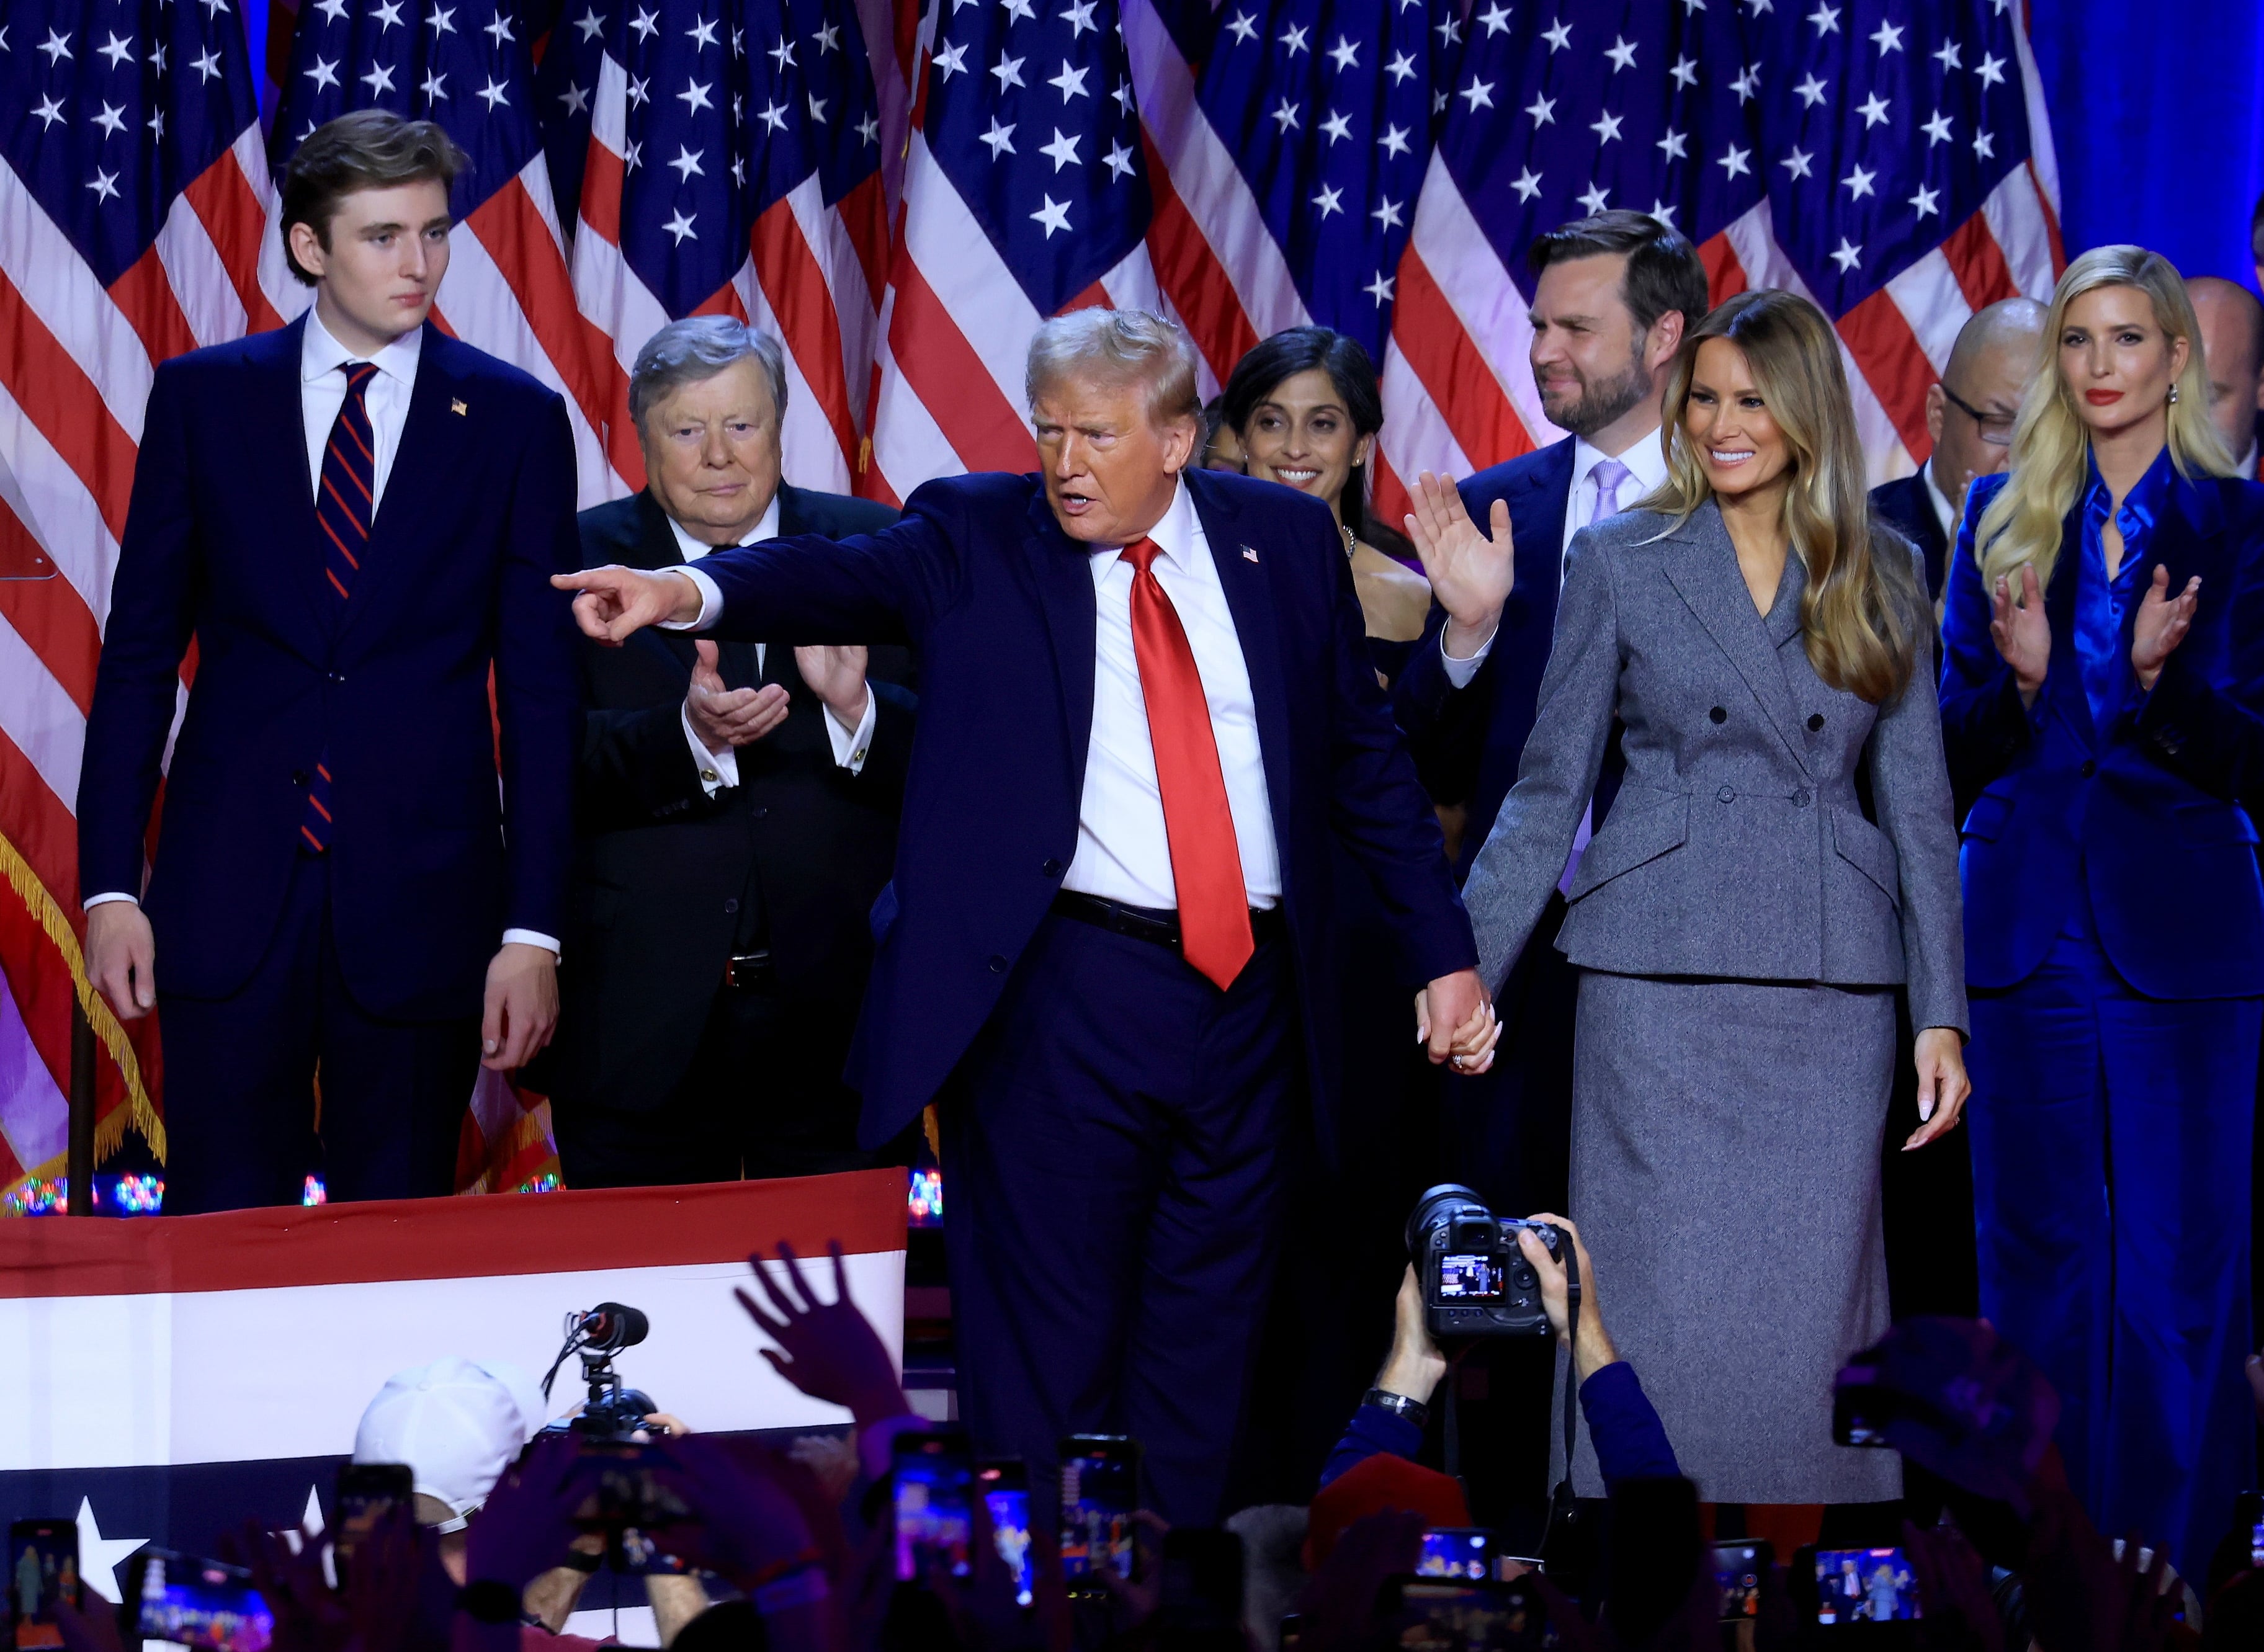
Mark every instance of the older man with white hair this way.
pixel 1147 709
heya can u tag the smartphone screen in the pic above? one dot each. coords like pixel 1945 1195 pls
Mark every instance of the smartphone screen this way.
pixel 933 1473
pixel 1456 1551
pixel 1005 1491
pixel 1739 1567
pixel 1100 1489
pixel 2248 1511
pixel 1471 1617
pixel 199 1602
pixel 42 1564
pixel 1868 1585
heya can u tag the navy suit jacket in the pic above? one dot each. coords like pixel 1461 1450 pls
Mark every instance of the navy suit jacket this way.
pixel 429 866
pixel 1906 504
pixel 1000 604
pixel 2148 819
pixel 1468 743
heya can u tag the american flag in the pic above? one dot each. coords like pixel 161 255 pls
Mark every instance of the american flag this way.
pixel 1889 158
pixel 731 165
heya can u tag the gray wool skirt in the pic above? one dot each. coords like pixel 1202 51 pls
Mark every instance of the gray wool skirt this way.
pixel 1725 1178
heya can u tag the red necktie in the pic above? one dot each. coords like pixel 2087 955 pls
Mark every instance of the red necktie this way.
pixel 1205 859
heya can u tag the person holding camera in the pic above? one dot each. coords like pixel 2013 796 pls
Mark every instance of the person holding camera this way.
pixel 1780 858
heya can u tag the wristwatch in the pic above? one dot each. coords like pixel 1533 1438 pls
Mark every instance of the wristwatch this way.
pixel 1399 1405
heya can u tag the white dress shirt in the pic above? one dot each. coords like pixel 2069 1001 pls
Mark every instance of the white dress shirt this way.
pixel 1944 513
pixel 322 393
pixel 720 769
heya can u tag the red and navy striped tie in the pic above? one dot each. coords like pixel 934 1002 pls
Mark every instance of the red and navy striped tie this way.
pixel 345 503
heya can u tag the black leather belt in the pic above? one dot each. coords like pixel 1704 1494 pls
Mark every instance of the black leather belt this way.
pixel 1154 924
pixel 749 972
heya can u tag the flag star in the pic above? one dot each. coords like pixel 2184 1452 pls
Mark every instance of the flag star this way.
pixel 1674 145
pixel 1480 93
pixel 1337 125
pixel 333 10
pixel 1526 183
pixel 1747 83
pixel 101 1558
pixel 739 170
pixel 1847 254
pixel 1949 57
pixel 1401 69
pixel 1438 102
pixel 49 111
pixel 1394 141
pixel 1924 201
pixel 1062 151
pixel 1936 130
pixel 1733 161
pixel 1799 164
pixel 868 129
pixel 1496 19
pixel 156 52
pixel 687 163
pixel 1559 35
pixel 1888 37
pixel 498 30
pixel 1685 72
pixel 575 98
pixel 156 118
pixel 1826 18
pixel 647 23
pixel 1009 71
pixel 1812 91
pixel 1071 82
pixel 207 67
pixel 1379 289
pixel 104 185
pixel 1660 210
pixel 1597 199
pixel 591 24
pixel 739 109
pixel 951 61
pixel 388 14
pixel 828 38
pixel 1622 52
pixel 434 87
pixel 1293 37
pixel 640 91
pixel 782 54
pixel 1329 200
pixel 1606 129
pixel 1450 30
pixel 632 155
pixel 494 94
pixel 1243 27
pixel 1054 215
pixel 1287 116
pixel 118 51
pixel 1118 161
pixel 1000 138
pixel 1984 146
pixel 443 21
pixel 1018 11
pixel 680 227
pixel 1874 111
pixel 773 115
pixel 215 7
pixel 1858 183
pixel 694 96
pixel 1387 216
pixel 1343 54
pixel 1991 70
pixel 56 46
pixel 113 122
pixel 379 80
pixel 702 33
pixel 1079 18
pixel 1543 111
pixel 1122 95
pixel 817 107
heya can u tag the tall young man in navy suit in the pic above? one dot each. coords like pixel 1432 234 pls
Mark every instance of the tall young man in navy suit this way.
pixel 1146 705
pixel 1614 296
pixel 356 517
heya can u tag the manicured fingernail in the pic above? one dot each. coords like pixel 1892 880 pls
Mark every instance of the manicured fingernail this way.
pixel 491 1047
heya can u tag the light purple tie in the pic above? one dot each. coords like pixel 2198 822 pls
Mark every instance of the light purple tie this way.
pixel 1612 477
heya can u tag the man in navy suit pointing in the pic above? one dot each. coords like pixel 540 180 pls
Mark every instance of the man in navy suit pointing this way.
pixel 1146 705
pixel 355 517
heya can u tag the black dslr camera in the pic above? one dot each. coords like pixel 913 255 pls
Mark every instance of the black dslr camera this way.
pixel 1476 1281
pixel 613 1413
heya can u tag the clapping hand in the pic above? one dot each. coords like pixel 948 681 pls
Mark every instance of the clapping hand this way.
pixel 2161 625
pixel 828 1350
pixel 724 717
pixel 2021 632
pixel 1471 572
pixel 835 675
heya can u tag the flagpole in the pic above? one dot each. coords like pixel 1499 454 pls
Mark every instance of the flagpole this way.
pixel 79 1173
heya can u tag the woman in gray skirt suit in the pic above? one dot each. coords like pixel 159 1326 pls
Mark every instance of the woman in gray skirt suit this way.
pixel 1741 917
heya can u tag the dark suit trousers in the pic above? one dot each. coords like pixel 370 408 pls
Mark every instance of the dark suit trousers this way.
pixel 1113 1156
pixel 762 1097
pixel 241 1074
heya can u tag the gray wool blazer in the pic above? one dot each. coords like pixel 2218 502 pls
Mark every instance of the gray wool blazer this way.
pixel 1736 847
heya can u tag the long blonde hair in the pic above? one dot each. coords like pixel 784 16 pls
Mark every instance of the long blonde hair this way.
pixel 2050 444
pixel 1856 610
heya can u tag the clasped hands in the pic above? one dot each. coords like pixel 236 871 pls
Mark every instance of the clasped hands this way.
pixel 2021 631
pixel 725 718
pixel 1454 1017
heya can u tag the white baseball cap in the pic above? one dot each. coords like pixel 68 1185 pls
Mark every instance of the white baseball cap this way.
pixel 457 1422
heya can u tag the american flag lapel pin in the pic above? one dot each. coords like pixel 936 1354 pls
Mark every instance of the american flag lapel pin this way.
pixel 457 407
pixel 1249 555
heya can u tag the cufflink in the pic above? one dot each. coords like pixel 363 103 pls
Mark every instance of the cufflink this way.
pixel 709 775
pixel 858 756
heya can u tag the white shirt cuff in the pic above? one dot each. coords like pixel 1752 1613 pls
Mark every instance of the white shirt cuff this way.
pixel 94 900
pixel 711 602
pixel 715 772
pixel 1459 672
pixel 852 746
pixel 533 937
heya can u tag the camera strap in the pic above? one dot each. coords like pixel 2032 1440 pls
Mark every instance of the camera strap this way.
pixel 1563 1512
